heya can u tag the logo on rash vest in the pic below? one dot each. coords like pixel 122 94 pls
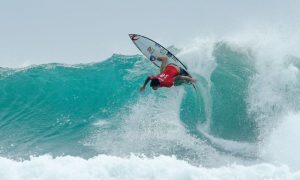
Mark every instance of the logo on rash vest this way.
pixel 163 77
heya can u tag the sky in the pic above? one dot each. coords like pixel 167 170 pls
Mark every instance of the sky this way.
pixel 77 31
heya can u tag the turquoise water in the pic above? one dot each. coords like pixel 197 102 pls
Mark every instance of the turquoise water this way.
pixel 91 110
pixel 51 108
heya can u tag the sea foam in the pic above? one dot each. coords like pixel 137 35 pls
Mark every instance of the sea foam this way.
pixel 133 167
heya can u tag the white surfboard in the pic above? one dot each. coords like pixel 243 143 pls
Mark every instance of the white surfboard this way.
pixel 152 50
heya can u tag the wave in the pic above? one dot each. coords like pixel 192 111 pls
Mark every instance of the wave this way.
pixel 236 114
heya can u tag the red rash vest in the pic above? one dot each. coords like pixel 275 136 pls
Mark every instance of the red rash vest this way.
pixel 167 77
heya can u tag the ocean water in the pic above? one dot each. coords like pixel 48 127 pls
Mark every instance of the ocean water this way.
pixel 89 121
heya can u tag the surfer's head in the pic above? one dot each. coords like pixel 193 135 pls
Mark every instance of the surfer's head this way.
pixel 155 84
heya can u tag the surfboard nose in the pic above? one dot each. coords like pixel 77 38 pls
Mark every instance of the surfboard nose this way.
pixel 133 37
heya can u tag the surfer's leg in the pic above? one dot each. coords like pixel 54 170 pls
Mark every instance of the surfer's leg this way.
pixel 178 81
pixel 184 73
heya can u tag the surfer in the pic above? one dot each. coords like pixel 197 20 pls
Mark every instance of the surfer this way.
pixel 170 74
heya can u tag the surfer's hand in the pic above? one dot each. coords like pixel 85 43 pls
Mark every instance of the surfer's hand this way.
pixel 142 88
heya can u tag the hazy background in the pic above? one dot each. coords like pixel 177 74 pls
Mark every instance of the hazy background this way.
pixel 73 31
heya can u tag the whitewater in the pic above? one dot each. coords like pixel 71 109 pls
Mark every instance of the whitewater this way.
pixel 89 121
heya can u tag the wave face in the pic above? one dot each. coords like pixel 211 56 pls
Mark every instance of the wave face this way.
pixel 242 108
pixel 51 108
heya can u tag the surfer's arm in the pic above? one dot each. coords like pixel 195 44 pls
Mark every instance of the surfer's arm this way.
pixel 187 78
pixel 145 84
pixel 164 61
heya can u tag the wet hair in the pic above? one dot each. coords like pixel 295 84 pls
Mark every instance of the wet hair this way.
pixel 154 82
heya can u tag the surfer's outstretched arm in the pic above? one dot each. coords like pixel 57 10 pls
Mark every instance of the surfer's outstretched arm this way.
pixel 145 84
pixel 164 62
